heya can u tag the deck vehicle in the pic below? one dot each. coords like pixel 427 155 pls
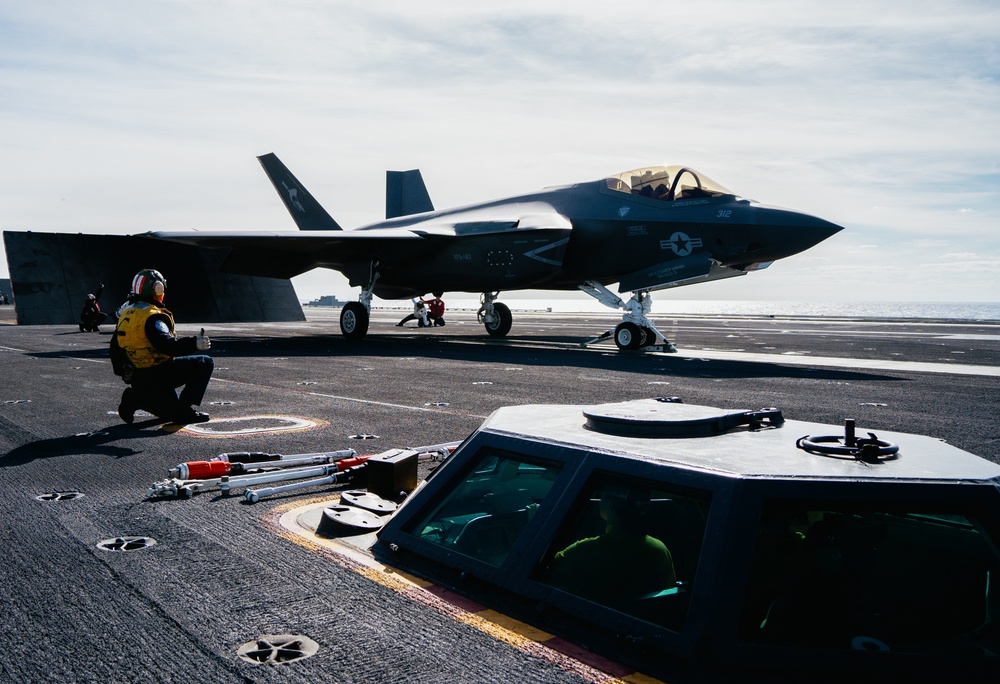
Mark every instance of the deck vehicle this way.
pixel 700 544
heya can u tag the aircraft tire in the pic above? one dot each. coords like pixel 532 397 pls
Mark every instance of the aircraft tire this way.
pixel 501 326
pixel 648 337
pixel 354 320
pixel 629 336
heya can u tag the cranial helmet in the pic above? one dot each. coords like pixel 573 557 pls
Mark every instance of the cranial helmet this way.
pixel 149 284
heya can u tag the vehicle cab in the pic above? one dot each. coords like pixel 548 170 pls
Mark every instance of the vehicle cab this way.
pixel 695 543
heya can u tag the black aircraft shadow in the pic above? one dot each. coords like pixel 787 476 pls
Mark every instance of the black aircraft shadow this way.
pixel 523 351
pixel 109 331
pixel 101 441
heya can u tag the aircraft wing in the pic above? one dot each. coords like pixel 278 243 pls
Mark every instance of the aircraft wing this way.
pixel 523 224
pixel 284 254
pixel 293 239
pixel 51 273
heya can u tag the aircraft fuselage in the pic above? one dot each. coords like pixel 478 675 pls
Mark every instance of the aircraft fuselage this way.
pixel 605 237
pixel 648 229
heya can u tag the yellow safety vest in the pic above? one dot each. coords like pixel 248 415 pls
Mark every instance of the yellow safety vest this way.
pixel 132 338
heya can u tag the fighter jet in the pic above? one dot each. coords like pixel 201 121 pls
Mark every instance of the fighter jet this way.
pixel 646 230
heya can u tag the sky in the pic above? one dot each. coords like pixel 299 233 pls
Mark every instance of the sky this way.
pixel 884 117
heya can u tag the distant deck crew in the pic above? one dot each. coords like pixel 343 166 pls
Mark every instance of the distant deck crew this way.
pixel 91 316
pixel 435 309
pixel 419 314
pixel 148 355
pixel 426 312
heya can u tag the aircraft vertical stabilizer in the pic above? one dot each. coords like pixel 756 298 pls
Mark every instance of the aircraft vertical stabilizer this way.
pixel 405 194
pixel 307 213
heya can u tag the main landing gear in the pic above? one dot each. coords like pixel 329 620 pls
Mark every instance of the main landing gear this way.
pixel 636 331
pixel 355 316
pixel 494 316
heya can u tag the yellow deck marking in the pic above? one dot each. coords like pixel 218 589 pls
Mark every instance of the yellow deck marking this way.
pixel 290 424
pixel 508 623
pixel 285 519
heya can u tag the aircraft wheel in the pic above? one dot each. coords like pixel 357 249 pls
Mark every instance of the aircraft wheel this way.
pixel 354 320
pixel 629 336
pixel 500 326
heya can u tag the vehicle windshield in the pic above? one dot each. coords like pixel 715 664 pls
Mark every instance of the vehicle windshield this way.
pixel 630 545
pixel 889 578
pixel 484 515
pixel 667 183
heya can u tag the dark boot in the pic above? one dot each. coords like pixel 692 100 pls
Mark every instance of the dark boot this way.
pixel 189 415
pixel 128 405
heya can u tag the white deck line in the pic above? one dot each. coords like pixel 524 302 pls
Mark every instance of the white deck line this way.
pixel 838 362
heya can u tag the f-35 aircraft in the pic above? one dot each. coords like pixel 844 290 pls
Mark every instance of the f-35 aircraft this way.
pixel 648 229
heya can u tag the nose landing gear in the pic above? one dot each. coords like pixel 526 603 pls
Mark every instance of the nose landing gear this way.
pixel 636 331
pixel 630 335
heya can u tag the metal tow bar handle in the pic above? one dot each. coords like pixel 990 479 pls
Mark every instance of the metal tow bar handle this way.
pixel 255 495
pixel 228 483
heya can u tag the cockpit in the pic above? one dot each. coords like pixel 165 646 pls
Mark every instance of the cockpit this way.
pixel 667 183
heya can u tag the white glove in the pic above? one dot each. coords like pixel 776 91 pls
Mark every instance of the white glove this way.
pixel 202 342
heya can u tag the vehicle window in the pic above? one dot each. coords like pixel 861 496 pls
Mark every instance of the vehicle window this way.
pixel 484 514
pixel 899 580
pixel 632 546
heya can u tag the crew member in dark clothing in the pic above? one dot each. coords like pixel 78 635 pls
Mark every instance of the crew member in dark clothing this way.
pixel 91 316
pixel 154 360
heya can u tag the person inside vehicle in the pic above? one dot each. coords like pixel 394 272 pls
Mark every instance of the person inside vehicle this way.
pixel 620 564
pixel 148 355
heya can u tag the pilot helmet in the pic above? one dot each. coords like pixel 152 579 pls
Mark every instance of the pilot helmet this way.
pixel 149 284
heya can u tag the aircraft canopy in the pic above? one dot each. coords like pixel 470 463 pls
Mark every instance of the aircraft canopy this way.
pixel 667 183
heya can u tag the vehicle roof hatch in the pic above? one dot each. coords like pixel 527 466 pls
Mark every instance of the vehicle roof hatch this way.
pixel 650 418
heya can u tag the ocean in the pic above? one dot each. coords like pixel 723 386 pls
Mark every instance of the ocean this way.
pixel 961 311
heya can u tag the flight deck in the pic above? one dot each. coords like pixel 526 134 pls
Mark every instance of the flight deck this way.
pixel 217 573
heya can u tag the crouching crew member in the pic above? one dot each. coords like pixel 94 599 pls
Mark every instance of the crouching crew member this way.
pixel 154 361
pixel 91 316
pixel 435 309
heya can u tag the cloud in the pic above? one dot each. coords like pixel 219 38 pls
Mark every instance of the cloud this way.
pixel 130 116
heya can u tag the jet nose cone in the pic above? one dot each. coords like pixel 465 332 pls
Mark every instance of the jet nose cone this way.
pixel 791 232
